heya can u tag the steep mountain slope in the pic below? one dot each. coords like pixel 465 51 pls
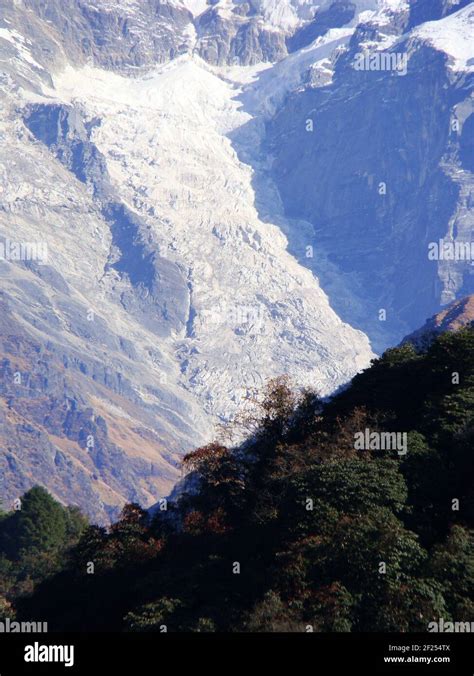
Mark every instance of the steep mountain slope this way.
pixel 377 161
pixel 161 300
pixel 456 315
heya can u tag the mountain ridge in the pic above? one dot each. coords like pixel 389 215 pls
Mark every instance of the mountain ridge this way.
pixel 455 316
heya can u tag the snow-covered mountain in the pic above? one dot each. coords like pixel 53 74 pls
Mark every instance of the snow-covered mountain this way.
pixel 387 172
pixel 156 160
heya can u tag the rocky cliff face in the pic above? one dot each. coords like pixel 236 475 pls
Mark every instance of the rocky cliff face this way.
pixel 136 34
pixel 378 162
pixel 114 35
pixel 455 316
pixel 133 35
pixel 175 176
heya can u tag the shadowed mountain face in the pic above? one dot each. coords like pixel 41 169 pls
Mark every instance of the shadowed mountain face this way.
pixel 421 11
pixel 372 160
pixel 175 179
pixel 336 15
pixel 380 164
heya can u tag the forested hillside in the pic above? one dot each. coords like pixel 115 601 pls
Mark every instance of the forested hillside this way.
pixel 298 529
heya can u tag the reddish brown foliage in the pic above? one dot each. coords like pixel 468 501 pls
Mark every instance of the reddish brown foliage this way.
pixel 210 455
pixel 193 522
pixel 197 523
